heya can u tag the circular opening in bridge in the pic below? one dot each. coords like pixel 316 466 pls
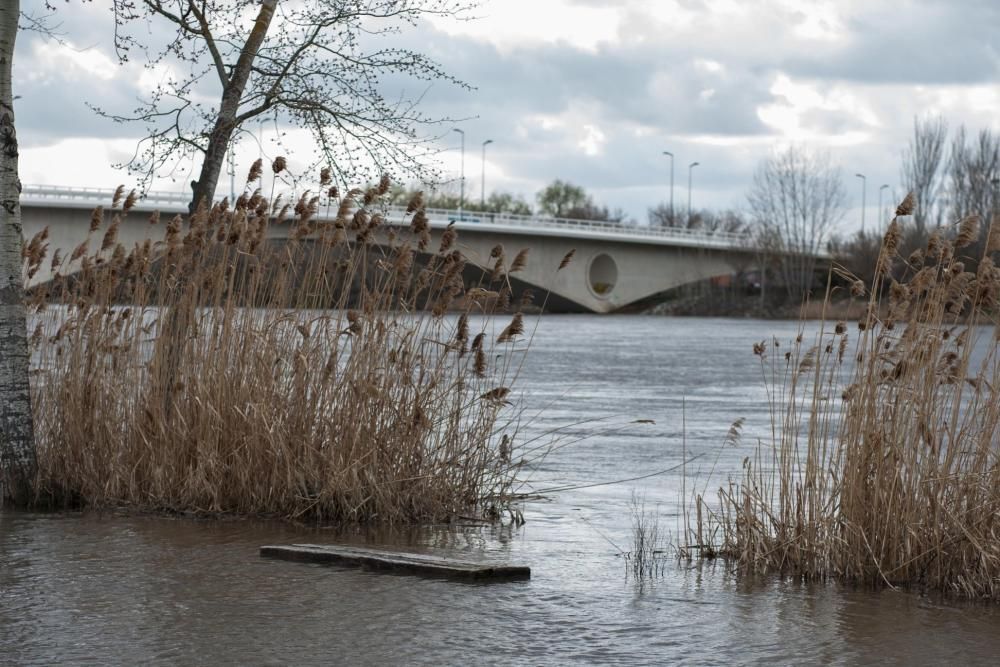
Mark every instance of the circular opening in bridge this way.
pixel 602 276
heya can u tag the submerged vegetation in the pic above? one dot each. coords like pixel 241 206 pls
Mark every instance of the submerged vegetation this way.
pixel 307 372
pixel 648 556
pixel 882 464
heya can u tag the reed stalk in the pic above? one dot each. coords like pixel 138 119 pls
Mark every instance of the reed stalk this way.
pixel 881 466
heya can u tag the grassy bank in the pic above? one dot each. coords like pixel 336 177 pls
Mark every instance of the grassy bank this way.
pixel 721 302
pixel 215 371
pixel 882 465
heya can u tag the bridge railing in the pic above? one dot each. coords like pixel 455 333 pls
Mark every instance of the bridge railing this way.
pixel 98 196
pixel 178 201
pixel 730 239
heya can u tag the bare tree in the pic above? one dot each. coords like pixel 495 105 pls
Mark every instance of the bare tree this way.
pixel 39 20
pixel 727 221
pixel 662 215
pixel 974 177
pixel 312 64
pixel 859 253
pixel 17 439
pixel 923 170
pixel 659 216
pixel 795 201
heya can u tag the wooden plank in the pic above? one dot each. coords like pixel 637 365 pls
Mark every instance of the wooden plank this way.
pixel 393 561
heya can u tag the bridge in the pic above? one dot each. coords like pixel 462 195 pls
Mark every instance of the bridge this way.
pixel 614 265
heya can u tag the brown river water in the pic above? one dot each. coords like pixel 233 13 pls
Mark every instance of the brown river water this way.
pixel 108 589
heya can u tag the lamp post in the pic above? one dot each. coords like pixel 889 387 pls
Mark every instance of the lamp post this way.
pixel 671 186
pixel 482 194
pixel 461 197
pixel 881 218
pixel 864 183
pixel 690 169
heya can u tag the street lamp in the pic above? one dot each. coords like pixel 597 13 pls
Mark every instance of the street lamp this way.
pixel 461 198
pixel 671 186
pixel 482 197
pixel 690 168
pixel 881 218
pixel 864 183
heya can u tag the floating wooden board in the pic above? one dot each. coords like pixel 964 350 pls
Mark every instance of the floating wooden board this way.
pixel 395 561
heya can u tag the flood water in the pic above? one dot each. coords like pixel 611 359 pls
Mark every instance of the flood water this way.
pixel 105 589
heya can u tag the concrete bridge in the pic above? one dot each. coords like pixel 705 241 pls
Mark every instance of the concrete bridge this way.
pixel 614 265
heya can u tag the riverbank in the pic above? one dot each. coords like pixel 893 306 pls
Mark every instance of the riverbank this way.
pixel 724 303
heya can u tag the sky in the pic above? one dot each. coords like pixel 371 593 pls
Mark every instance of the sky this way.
pixel 593 92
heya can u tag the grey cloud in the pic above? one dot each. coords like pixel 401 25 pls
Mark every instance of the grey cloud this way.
pixel 49 112
pixel 830 122
pixel 646 81
pixel 546 79
pixel 922 43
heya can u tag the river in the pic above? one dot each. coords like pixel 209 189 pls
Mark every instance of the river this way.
pixel 110 589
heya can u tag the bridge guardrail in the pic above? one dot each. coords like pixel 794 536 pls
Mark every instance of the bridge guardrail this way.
pixel 731 239
pixel 41 194
pixel 101 196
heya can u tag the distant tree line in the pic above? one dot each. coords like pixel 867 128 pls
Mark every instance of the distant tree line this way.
pixel 797 198
pixel 951 181
pixel 559 199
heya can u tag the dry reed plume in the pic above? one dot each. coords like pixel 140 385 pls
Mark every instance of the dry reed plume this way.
pixel 308 372
pixel 882 464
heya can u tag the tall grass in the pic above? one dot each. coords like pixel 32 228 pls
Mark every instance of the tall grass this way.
pixel 258 359
pixel 882 462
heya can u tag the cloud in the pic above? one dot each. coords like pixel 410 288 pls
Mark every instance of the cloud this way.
pixel 513 24
pixel 53 82
pixel 593 91
pixel 917 42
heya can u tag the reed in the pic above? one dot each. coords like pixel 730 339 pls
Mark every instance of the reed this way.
pixel 881 466
pixel 310 372
pixel 647 557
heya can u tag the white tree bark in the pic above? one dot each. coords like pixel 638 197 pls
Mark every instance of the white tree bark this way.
pixel 17 440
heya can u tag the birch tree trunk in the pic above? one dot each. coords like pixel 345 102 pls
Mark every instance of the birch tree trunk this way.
pixel 17 438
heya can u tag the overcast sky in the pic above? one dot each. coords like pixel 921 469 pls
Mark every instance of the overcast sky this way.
pixel 593 92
